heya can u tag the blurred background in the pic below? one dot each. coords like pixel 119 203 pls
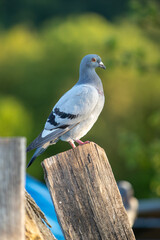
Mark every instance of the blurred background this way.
pixel 41 46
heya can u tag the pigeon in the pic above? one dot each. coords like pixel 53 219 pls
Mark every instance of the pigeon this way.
pixel 76 111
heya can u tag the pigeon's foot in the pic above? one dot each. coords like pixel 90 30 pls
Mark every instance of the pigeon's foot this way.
pixel 72 144
pixel 81 143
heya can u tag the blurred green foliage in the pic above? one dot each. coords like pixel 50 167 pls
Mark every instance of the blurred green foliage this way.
pixel 38 66
pixel 13 118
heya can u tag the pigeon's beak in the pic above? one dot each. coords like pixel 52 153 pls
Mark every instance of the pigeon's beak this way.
pixel 101 65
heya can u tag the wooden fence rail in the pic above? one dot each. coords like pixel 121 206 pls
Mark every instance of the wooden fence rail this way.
pixel 85 195
pixel 12 178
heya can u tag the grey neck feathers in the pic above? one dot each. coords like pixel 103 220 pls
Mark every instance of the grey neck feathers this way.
pixel 89 76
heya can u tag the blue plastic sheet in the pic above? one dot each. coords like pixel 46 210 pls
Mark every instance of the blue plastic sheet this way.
pixel 41 196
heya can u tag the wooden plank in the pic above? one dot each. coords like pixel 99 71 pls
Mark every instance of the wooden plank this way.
pixel 35 227
pixel 86 196
pixel 12 179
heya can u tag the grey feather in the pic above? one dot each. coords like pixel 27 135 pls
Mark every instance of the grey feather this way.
pixel 38 152
pixel 40 141
pixel 76 111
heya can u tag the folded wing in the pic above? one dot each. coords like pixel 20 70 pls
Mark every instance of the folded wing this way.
pixel 73 107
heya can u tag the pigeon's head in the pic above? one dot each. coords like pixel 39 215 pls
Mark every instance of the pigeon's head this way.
pixel 92 61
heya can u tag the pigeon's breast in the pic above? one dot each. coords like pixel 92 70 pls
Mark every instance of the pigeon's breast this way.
pixel 84 126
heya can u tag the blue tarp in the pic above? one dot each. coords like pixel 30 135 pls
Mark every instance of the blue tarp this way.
pixel 41 196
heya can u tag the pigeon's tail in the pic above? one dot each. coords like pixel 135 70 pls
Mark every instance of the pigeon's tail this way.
pixel 38 152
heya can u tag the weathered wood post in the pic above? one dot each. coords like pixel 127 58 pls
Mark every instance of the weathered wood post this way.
pixel 35 227
pixel 12 178
pixel 85 195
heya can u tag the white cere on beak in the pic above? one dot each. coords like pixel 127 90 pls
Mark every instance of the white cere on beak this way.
pixel 102 65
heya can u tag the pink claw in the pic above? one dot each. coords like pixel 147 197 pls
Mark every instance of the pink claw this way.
pixel 81 143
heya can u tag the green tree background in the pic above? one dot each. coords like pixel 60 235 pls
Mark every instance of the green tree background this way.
pixel 41 46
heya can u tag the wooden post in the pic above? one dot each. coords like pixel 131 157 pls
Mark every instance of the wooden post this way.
pixel 86 196
pixel 35 227
pixel 12 177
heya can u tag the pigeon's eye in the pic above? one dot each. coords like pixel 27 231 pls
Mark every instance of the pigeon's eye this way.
pixel 93 59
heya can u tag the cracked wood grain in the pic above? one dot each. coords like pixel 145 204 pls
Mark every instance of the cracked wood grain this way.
pixel 85 195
